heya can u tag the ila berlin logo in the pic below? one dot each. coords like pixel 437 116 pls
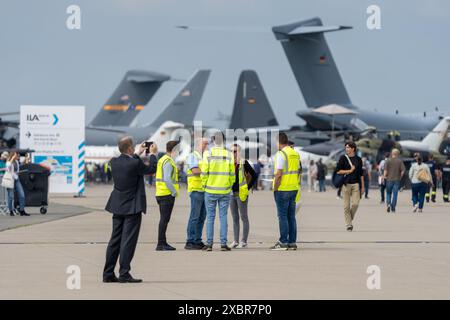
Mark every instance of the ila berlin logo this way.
pixel 53 119
pixel 32 117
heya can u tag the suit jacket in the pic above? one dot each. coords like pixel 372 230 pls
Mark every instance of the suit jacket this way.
pixel 128 195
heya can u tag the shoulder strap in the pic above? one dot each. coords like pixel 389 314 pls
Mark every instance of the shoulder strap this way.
pixel 349 161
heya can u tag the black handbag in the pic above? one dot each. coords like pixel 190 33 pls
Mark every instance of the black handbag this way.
pixel 340 179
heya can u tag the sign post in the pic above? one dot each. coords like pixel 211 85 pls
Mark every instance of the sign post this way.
pixel 57 134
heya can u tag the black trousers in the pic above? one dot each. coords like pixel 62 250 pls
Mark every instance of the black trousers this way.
pixel 123 243
pixel 446 189
pixel 432 189
pixel 166 204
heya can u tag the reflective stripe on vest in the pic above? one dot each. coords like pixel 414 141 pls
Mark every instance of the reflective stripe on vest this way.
pixel 161 187
pixel 195 181
pixel 218 171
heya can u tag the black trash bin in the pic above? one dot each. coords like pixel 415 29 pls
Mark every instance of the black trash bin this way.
pixel 34 179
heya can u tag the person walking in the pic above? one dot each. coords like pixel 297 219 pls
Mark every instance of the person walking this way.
pixel 445 172
pixel 367 172
pixel 321 175
pixel 12 166
pixel 167 189
pixel 127 203
pixel 394 169
pixel 257 168
pixel 245 178
pixel 286 186
pixel 312 176
pixel 3 158
pixel 218 176
pixel 350 165
pixel 431 192
pixel 420 177
pixel 196 192
pixel 381 179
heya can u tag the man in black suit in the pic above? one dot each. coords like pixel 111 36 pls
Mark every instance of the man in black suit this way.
pixel 127 203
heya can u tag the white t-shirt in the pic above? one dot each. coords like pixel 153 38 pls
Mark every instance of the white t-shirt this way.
pixel 280 161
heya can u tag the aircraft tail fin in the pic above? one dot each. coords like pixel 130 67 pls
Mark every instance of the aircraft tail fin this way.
pixel 251 106
pixel 184 106
pixel 435 138
pixel 133 93
pixel 312 62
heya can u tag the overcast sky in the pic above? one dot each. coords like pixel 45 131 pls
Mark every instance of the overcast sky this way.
pixel 404 66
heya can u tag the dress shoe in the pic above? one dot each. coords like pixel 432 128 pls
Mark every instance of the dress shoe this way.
pixel 112 279
pixel 129 279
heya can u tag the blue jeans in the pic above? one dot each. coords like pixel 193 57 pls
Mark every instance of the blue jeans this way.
pixel 418 193
pixel 196 218
pixel 392 188
pixel 20 193
pixel 322 185
pixel 285 201
pixel 211 202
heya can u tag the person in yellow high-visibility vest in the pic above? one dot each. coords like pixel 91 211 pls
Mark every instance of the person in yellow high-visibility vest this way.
pixel 196 192
pixel 286 187
pixel 217 178
pixel 239 197
pixel 297 198
pixel 167 189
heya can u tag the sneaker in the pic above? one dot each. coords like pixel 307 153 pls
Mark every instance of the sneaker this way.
pixel 388 209
pixel 165 247
pixel 207 247
pixel 191 246
pixel 349 228
pixel 200 245
pixel 292 246
pixel 393 210
pixel 420 210
pixel 279 247
pixel 433 200
pixel 234 244
pixel 224 247
pixel 242 245
pixel 415 208
pixel 11 213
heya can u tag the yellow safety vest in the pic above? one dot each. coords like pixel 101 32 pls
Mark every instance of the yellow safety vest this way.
pixel 243 187
pixel 290 172
pixel 195 182
pixel 218 173
pixel 161 187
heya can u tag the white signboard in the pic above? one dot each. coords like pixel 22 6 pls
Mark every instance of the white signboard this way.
pixel 56 133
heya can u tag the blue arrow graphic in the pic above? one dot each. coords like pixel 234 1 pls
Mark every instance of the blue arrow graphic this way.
pixel 56 119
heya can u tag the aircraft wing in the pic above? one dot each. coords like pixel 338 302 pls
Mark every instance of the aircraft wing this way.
pixel 106 130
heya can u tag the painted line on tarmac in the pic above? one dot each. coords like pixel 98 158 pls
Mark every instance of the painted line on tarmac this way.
pixel 254 243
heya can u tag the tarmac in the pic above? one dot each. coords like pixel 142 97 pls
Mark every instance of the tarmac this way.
pixel 411 250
